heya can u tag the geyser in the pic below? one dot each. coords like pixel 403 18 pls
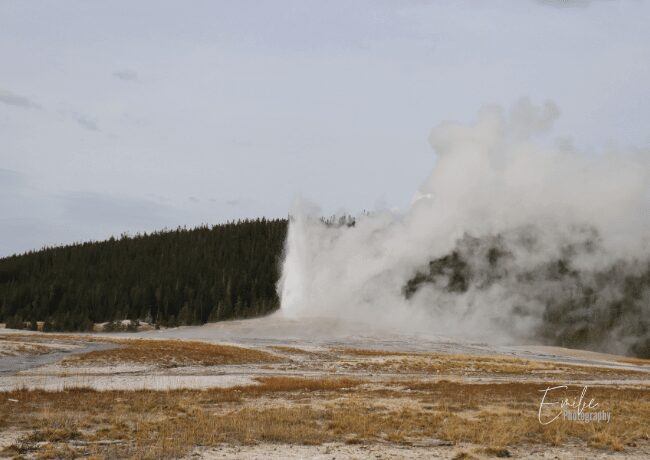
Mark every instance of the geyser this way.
pixel 509 239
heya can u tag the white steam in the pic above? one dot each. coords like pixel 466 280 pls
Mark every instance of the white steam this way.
pixel 511 209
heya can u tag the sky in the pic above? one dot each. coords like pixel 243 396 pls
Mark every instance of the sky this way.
pixel 123 117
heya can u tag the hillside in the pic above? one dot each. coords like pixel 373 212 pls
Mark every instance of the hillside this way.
pixel 184 276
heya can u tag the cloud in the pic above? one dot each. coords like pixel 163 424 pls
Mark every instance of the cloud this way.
pixel 25 214
pixel 566 3
pixel 16 100
pixel 126 75
pixel 104 209
pixel 86 122
pixel 233 202
pixel 31 217
pixel 10 179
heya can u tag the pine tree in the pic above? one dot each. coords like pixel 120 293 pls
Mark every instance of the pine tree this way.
pixel 188 276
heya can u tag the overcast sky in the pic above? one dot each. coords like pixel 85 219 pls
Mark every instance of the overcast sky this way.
pixel 126 116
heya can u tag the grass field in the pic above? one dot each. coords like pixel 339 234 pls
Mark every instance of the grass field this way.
pixel 452 404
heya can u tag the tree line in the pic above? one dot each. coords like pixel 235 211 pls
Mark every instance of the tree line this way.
pixel 177 277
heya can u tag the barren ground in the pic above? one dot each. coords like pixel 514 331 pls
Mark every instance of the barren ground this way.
pixel 275 388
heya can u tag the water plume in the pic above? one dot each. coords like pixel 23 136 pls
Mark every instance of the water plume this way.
pixel 511 239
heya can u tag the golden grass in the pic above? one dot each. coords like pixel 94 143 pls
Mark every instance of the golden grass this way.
pixel 292 384
pixel 154 424
pixel 510 410
pixel 292 350
pixel 379 361
pixel 157 424
pixel 178 353
pixel 370 352
pixel 174 353
pixel 283 409
pixel 632 360
pixel 168 352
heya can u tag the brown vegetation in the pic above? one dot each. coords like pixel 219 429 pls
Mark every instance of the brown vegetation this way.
pixel 154 424
pixel 468 365
pixel 292 350
pixel 174 353
pixel 636 361
pixel 387 397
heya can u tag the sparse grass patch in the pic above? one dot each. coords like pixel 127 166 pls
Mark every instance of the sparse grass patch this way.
pixel 499 452
pixel 379 361
pixel 632 360
pixel 281 383
pixel 13 346
pixel 158 424
pixel 407 406
pixel 370 352
pixel 292 425
pixel 292 350
pixel 174 353
pixel 463 455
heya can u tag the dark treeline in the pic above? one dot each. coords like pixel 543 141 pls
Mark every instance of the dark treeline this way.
pixel 168 278
pixel 605 309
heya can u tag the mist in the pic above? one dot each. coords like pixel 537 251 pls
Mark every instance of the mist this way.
pixel 513 238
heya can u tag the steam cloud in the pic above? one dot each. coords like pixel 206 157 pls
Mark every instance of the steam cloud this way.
pixel 509 240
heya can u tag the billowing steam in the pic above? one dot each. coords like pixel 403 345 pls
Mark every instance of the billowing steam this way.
pixel 508 240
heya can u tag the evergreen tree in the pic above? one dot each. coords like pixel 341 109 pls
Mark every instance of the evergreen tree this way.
pixel 169 277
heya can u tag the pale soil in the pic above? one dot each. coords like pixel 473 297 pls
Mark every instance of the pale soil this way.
pixel 9 437
pixel 323 363
pixel 18 347
pixel 317 345
pixel 315 349
pixel 123 381
pixel 267 451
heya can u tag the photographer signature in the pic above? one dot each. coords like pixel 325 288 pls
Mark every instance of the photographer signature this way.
pixel 579 405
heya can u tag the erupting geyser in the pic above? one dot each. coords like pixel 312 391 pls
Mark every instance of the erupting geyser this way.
pixel 507 240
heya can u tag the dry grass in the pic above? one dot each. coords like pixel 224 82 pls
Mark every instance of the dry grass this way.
pixel 170 353
pixel 292 350
pixel 378 361
pixel 368 352
pixel 411 409
pixel 150 424
pixel 177 352
pixel 510 410
pixel 280 383
pixel 495 452
pixel 463 455
pixel 20 347
pixel 154 424
pixel 632 360
pixel 173 353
